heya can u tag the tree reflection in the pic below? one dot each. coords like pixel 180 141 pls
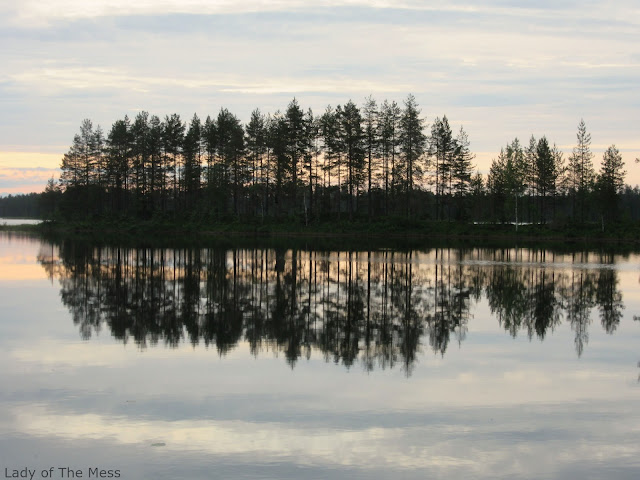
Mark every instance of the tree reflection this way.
pixel 609 299
pixel 373 308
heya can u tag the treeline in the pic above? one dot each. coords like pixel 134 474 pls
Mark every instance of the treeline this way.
pixel 550 187
pixel 29 205
pixel 370 161
pixel 379 308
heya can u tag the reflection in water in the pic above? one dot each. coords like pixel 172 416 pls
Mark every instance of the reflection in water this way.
pixel 375 307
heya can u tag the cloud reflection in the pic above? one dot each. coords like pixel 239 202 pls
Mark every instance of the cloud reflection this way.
pixel 511 444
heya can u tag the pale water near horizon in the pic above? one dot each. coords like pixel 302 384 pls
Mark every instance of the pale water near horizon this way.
pixel 19 221
pixel 198 363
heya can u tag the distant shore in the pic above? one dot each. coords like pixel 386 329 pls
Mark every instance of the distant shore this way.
pixel 351 233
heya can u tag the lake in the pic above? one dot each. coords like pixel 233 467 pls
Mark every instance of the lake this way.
pixel 19 221
pixel 211 362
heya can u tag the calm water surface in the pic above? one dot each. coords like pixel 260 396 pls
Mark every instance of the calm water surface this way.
pixel 279 363
pixel 19 221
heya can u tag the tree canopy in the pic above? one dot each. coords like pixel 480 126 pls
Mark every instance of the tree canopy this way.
pixel 375 160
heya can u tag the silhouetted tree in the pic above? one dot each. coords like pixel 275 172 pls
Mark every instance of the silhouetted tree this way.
pixel 610 182
pixel 413 146
pixel 580 171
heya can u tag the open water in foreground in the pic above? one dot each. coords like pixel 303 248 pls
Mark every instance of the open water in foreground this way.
pixel 277 363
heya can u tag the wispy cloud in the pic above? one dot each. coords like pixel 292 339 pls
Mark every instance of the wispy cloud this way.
pixel 40 10
pixel 52 80
pixel 24 180
pixel 30 160
pixel 46 10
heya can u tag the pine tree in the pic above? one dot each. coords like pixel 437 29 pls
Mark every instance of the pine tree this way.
pixel 81 165
pixel 442 148
pixel 477 191
pixel 610 182
pixel 278 146
pixel 560 186
pixel 50 198
pixel 530 166
pixel 210 141
pixel 353 141
pixel 192 156
pixel 141 156
pixel 120 154
pixel 331 131
pixel 546 174
pixel 256 146
pixel 506 180
pixel 173 137
pixel 297 144
pixel 413 145
pixel 388 134
pixel 371 144
pixel 230 151
pixel 462 169
pixel 580 171
pixel 155 170
pixel 310 157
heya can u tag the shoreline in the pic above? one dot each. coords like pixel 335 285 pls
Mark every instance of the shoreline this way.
pixel 623 235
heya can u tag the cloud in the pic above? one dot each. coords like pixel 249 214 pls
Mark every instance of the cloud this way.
pixel 40 11
pixel 25 180
pixel 53 80
pixel 25 174
pixel 34 161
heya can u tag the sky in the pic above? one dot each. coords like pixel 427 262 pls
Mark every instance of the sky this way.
pixel 500 68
